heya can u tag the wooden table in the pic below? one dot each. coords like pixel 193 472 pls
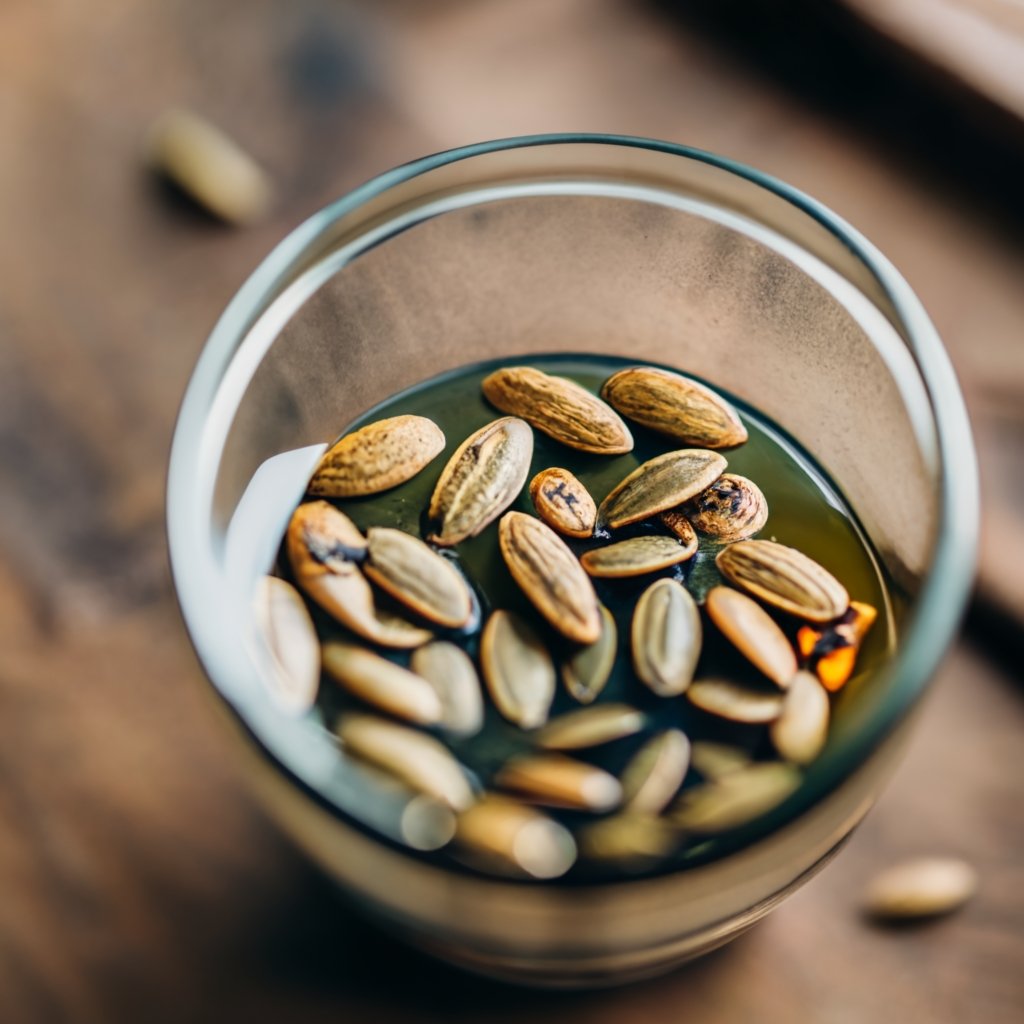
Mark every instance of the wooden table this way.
pixel 138 880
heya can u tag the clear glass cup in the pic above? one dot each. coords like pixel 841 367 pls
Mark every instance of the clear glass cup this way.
pixel 574 243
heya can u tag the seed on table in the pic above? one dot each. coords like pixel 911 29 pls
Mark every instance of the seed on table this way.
pixel 660 484
pixel 732 508
pixel 735 799
pixel 560 781
pixel 382 683
pixel 734 701
pixel 292 643
pixel 586 673
pixel 629 840
pixel 784 577
pixel 799 733
pixel 634 557
pixel 559 408
pixel 666 637
pixel 920 888
pixel 481 479
pixel 563 502
pixel 713 760
pixel 753 632
pixel 590 727
pixel 675 521
pixel 549 574
pixel 451 673
pixel 518 670
pixel 655 773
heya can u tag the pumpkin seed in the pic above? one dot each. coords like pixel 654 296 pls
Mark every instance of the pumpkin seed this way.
pixel 586 673
pixel 736 798
pixel 713 760
pixel 753 632
pixel 517 669
pixel 377 457
pixel 450 671
pixel 560 781
pixel 634 557
pixel 666 637
pixel 511 838
pixel 674 405
pixel 320 533
pixel 736 702
pixel 590 727
pixel 659 484
pixel 655 773
pixel 629 840
pixel 292 643
pixel 419 760
pixel 675 521
pixel 800 731
pixel 921 888
pixel 382 683
pixel 550 576
pixel 482 478
pixel 563 502
pixel 732 508
pixel 785 578
pixel 417 576
pixel 559 408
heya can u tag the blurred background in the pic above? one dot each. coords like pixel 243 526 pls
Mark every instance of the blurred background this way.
pixel 138 881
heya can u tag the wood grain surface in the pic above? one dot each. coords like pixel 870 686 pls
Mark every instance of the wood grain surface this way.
pixel 139 880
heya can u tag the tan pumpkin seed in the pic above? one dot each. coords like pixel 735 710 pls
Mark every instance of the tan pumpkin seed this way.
pixel 753 632
pixel 590 727
pixel 550 576
pixel 511 838
pixel 921 888
pixel 517 669
pixel 675 521
pixel 655 773
pixel 666 636
pixel 634 557
pixel 427 823
pixel 450 671
pixel 560 781
pixel 785 578
pixel 586 673
pixel 659 484
pixel 736 702
pixel 377 457
pixel 800 731
pixel 559 408
pixel 322 543
pixel 674 405
pixel 713 760
pixel 292 643
pixel 481 480
pixel 417 576
pixel 629 840
pixel 382 683
pixel 563 502
pixel 732 508
pixel 419 760
pixel 736 798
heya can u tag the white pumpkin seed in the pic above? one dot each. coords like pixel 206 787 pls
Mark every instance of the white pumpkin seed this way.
pixel 734 701
pixel 735 799
pixel 655 773
pixel 586 673
pixel 292 642
pixel 518 670
pixel 753 632
pixel 666 637
pixel 799 733
pixel 713 760
pixel 920 888
pixel 634 557
pixel 450 671
pixel 590 727
pixel 629 840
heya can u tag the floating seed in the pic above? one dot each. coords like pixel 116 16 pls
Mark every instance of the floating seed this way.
pixel 674 405
pixel 417 576
pixel 634 557
pixel 517 669
pixel 586 673
pixel 560 781
pixel 563 502
pixel 666 637
pixel 450 671
pixel 550 576
pixel 629 840
pixel 800 731
pixel 377 457
pixel 417 759
pixel 655 773
pixel 832 649
pixel 675 521
pixel 292 643
pixel 785 578
pixel 732 508
pixel 590 727
pixel 714 760
pixel 753 632
pixel 481 480
pixel 735 799
pixel 734 701
pixel 559 408
pixel 921 888
pixel 659 484
pixel 382 683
